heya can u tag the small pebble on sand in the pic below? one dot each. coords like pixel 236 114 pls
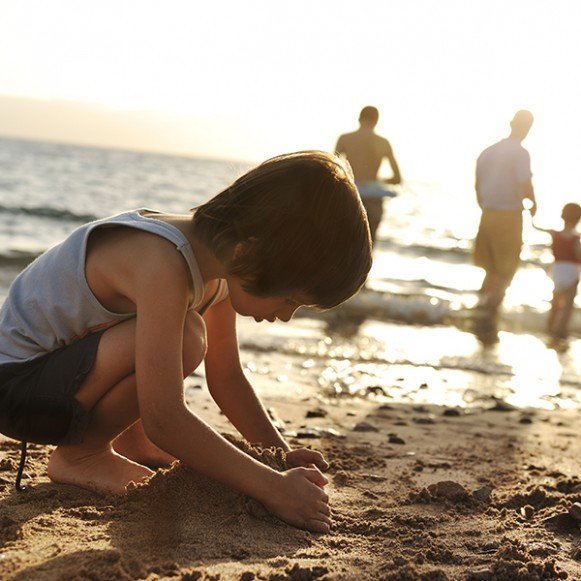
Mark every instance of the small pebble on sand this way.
pixel 365 427
pixel 316 413
pixel 575 511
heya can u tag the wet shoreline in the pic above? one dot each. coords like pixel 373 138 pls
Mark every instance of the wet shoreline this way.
pixel 389 361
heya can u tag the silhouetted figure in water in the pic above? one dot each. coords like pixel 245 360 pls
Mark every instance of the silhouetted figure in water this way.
pixel 365 150
pixel 503 181
pixel 566 249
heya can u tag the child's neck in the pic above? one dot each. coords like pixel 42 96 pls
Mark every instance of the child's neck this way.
pixel 210 267
pixel 569 229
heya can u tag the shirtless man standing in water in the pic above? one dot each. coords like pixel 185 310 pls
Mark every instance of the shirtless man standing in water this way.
pixel 365 150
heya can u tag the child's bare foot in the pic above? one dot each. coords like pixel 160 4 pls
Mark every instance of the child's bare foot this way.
pixel 134 444
pixel 102 471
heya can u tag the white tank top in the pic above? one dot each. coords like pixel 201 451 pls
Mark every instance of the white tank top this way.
pixel 50 304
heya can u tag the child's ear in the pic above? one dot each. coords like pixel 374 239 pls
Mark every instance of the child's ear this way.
pixel 242 247
pixel 239 250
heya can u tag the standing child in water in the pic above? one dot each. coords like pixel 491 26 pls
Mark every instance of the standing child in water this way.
pixel 98 333
pixel 565 272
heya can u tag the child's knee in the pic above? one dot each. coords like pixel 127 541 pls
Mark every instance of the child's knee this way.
pixel 195 343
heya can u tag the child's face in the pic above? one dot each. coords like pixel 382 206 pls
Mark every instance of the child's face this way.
pixel 263 308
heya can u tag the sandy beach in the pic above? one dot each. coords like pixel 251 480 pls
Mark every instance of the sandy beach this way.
pixel 443 388
pixel 418 491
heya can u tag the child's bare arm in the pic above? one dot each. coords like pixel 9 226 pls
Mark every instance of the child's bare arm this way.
pixel 161 298
pixel 234 394
pixel 161 310
pixel 228 384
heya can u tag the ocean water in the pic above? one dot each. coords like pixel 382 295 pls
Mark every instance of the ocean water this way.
pixel 421 290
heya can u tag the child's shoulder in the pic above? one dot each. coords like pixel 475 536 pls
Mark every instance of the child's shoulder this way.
pixel 123 258
pixel 137 248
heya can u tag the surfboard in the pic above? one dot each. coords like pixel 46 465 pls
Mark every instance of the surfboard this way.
pixel 375 190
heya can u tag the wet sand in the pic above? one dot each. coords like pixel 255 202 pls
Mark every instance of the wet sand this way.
pixel 417 492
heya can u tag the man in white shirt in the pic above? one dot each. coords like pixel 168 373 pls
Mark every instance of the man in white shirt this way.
pixel 503 181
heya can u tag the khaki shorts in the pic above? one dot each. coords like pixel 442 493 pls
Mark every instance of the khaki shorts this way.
pixel 499 241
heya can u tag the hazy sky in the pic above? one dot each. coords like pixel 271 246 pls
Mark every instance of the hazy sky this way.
pixel 251 79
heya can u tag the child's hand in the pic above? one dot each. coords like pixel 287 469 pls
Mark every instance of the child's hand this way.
pixel 306 457
pixel 299 499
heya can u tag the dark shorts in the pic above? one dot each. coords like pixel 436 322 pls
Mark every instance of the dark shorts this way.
pixel 37 402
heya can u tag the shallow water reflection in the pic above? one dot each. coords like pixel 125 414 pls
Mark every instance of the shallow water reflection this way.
pixel 394 362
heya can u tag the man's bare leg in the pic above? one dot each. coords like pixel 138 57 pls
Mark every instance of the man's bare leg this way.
pixel 497 287
pixel 486 289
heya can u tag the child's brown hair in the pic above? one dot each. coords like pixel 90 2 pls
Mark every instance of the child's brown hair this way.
pixel 301 225
pixel 571 213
